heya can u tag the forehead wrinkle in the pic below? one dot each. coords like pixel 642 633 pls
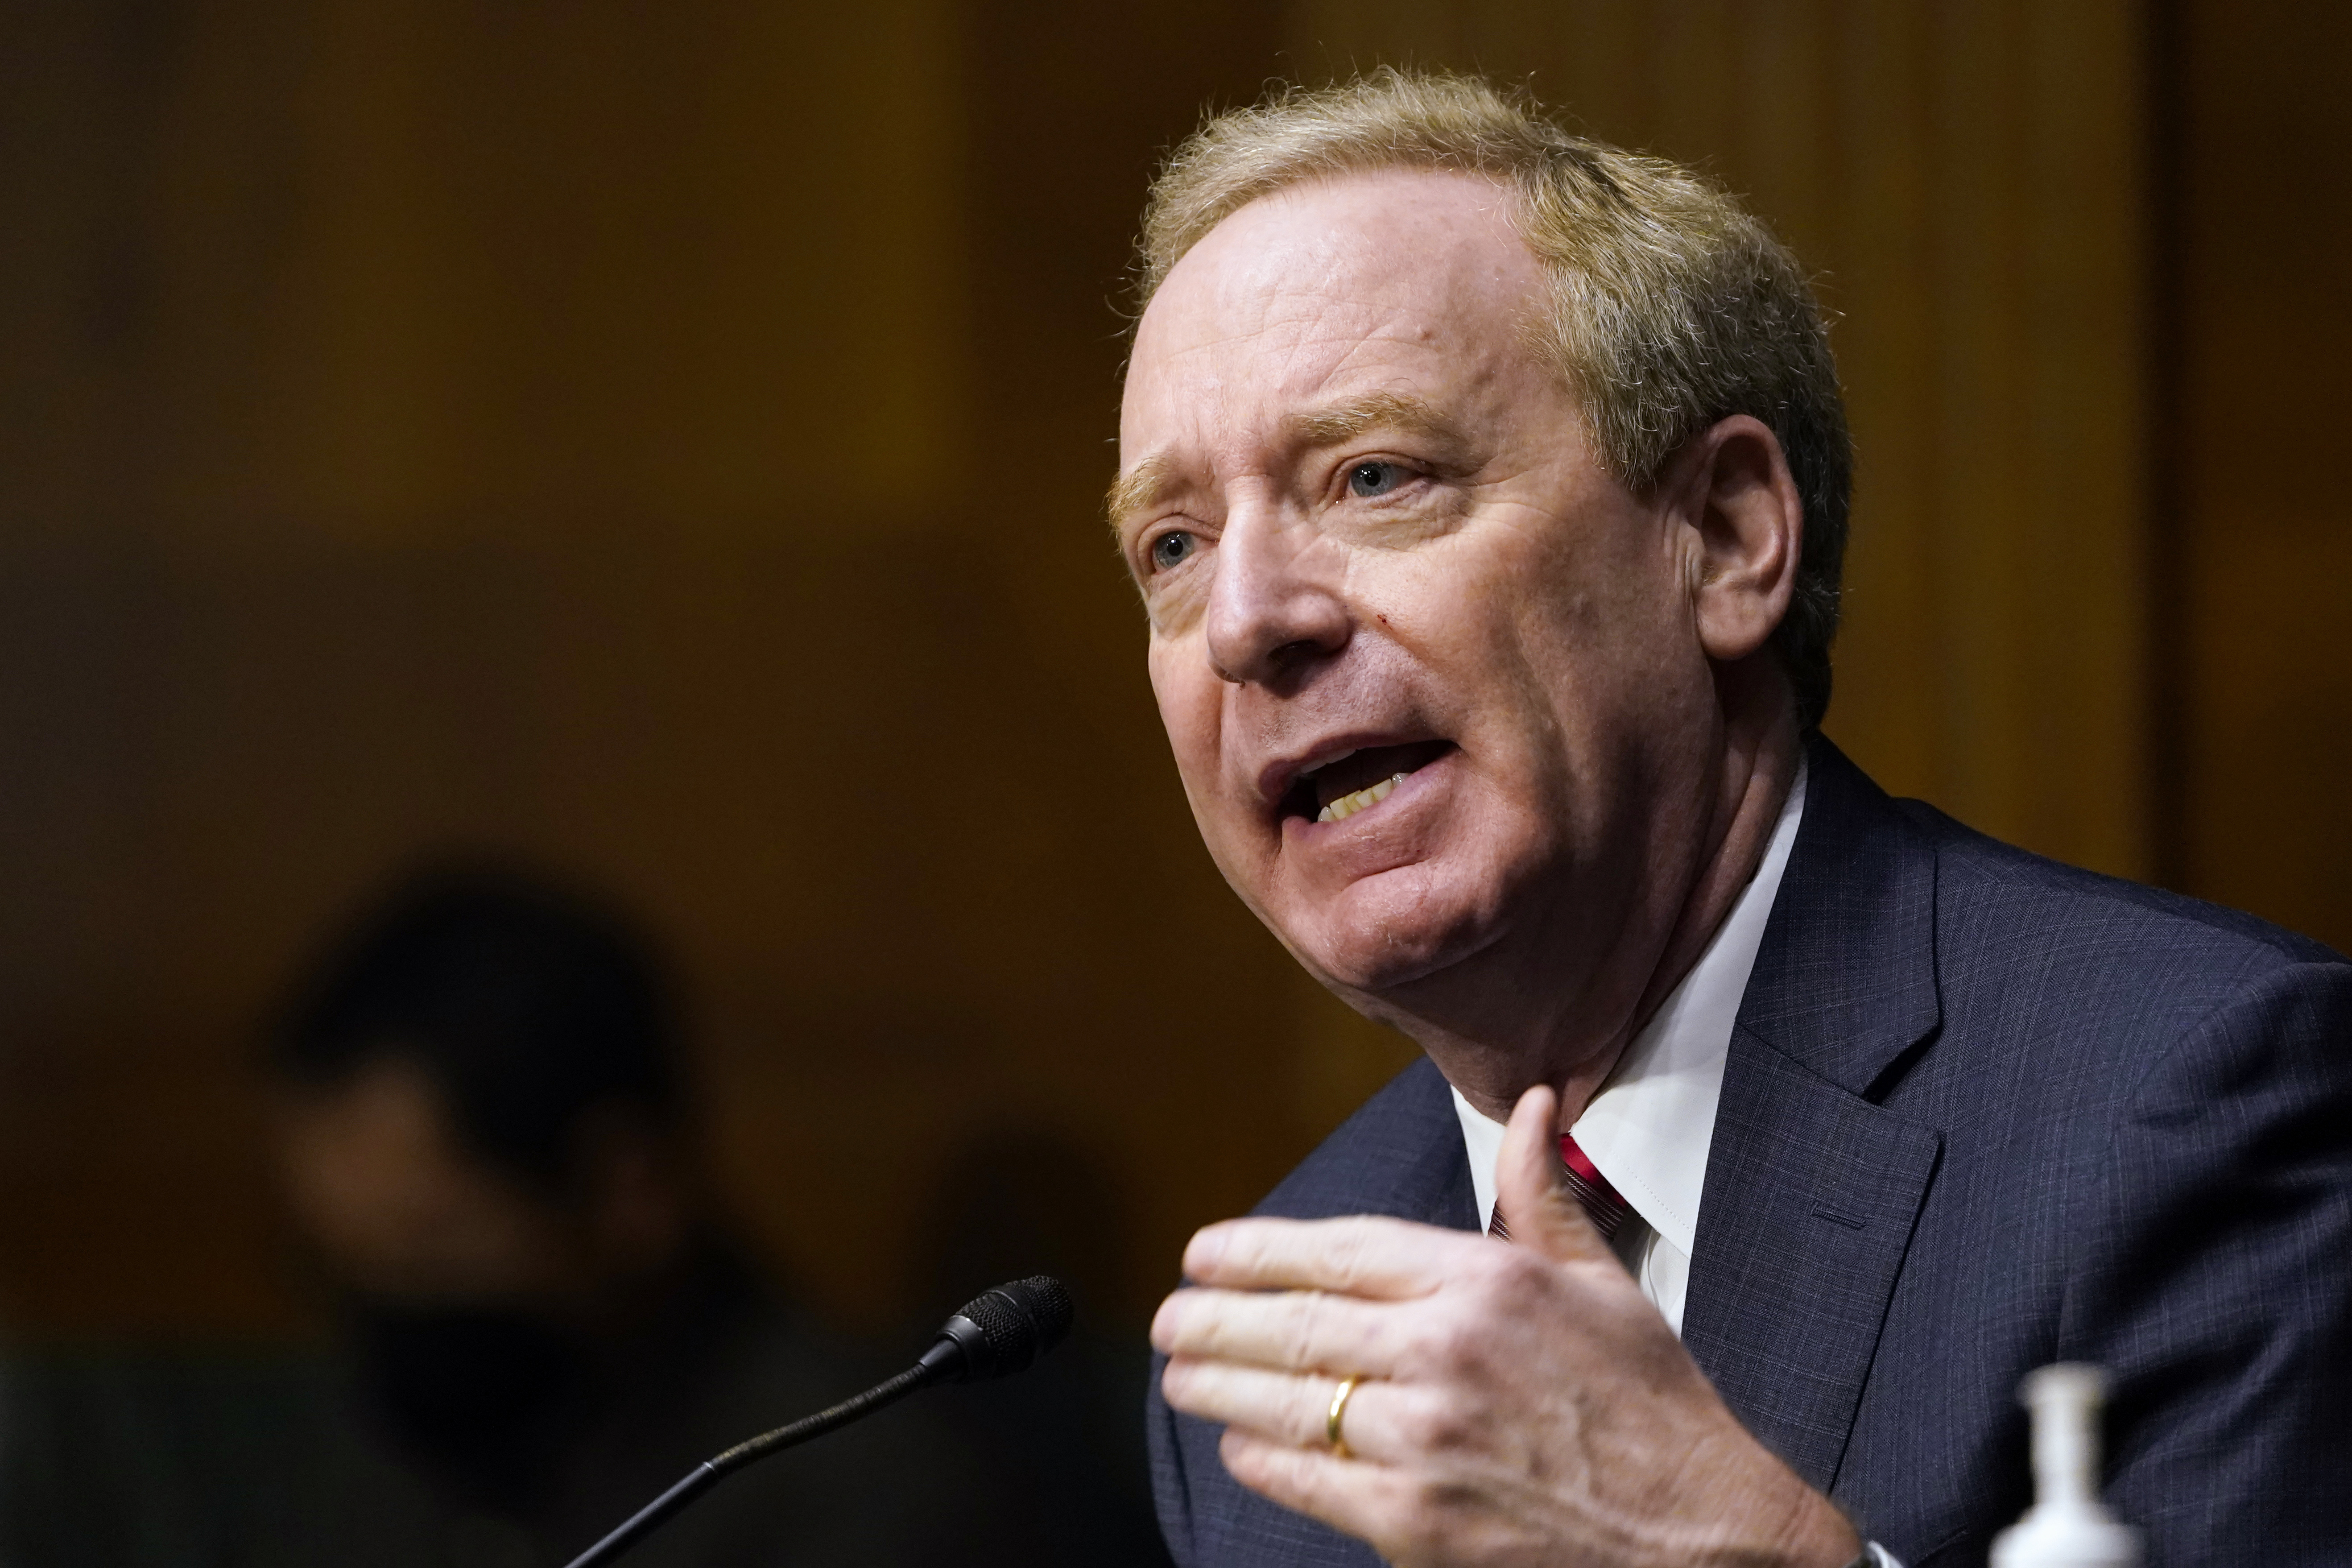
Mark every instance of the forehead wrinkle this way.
pixel 1323 319
pixel 1305 333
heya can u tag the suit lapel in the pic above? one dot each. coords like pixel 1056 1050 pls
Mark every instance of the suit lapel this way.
pixel 1812 1189
pixel 1811 1197
pixel 1427 1176
pixel 1400 1154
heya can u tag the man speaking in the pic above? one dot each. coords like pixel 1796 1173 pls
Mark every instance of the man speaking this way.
pixel 1486 490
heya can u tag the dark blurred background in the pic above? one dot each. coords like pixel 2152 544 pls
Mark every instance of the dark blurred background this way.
pixel 665 442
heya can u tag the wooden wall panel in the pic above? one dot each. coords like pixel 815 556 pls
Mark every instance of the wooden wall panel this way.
pixel 2263 218
pixel 667 440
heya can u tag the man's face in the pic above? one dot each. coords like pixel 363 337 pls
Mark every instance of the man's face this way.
pixel 1430 674
pixel 396 1204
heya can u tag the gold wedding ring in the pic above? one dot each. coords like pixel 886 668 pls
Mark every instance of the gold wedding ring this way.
pixel 1338 1413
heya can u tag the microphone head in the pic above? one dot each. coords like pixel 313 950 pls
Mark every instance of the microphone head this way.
pixel 1002 1331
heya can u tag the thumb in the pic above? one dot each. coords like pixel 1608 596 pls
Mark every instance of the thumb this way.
pixel 1531 1187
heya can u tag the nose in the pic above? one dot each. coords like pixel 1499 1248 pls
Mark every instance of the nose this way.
pixel 1275 608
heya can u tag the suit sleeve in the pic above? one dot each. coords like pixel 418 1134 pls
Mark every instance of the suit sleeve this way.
pixel 2218 1286
pixel 1170 1492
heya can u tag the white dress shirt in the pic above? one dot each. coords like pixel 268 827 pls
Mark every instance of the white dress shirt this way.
pixel 1649 1128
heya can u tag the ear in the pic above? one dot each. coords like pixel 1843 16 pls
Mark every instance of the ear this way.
pixel 1747 528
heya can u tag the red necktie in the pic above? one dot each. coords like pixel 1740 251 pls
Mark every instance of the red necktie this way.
pixel 1600 1203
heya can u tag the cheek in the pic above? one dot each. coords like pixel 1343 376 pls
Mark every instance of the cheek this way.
pixel 1584 634
pixel 1190 701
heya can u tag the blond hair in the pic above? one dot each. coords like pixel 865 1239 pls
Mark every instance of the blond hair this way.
pixel 1672 307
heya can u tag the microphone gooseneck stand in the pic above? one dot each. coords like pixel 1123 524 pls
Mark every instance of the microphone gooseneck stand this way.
pixel 997 1332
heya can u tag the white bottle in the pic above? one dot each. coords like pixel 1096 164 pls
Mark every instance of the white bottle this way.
pixel 2066 1527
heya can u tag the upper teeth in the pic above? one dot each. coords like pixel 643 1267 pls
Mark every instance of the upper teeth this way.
pixel 1347 805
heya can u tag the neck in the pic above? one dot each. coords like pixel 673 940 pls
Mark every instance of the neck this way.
pixel 1572 1034
pixel 1756 780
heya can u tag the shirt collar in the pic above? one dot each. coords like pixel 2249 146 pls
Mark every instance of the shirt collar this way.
pixel 1650 1127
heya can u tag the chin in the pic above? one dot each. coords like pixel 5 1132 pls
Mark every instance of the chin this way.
pixel 1386 932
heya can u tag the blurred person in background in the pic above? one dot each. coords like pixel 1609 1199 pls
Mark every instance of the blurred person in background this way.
pixel 485 1138
pixel 487 1145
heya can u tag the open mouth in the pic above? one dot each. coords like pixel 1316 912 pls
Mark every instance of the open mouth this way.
pixel 1355 780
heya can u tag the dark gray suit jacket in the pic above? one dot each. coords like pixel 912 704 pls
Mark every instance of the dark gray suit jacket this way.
pixel 1982 1112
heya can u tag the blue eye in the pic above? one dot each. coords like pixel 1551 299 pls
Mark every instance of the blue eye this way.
pixel 1371 480
pixel 1170 550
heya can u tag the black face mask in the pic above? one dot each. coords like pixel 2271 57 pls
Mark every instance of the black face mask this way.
pixel 479 1396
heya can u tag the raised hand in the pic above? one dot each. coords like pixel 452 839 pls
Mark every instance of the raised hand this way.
pixel 1517 1404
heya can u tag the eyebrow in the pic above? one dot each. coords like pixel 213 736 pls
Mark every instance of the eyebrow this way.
pixel 1143 485
pixel 1340 422
pixel 1138 488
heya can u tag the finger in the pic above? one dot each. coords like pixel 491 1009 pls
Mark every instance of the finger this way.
pixel 1283 1407
pixel 1290 1331
pixel 1381 1420
pixel 1355 1496
pixel 1363 1255
pixel 1531 1187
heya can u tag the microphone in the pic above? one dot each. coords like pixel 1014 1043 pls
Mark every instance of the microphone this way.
pixel 1001 1331
pixel 994 1334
